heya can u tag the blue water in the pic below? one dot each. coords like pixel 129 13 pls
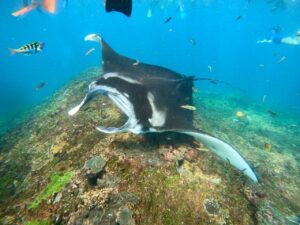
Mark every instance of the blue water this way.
pixel 227 44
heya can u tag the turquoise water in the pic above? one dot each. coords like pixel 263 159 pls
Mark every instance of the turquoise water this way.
pixel 226 44
pixel 47 157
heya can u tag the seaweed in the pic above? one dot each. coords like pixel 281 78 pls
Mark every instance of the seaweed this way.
pixel 56 184
pixel 38 222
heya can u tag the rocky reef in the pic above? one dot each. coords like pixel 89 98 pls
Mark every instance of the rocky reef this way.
pixel 56 169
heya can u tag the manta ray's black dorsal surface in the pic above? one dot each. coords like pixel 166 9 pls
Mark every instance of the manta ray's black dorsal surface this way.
pixel 151 97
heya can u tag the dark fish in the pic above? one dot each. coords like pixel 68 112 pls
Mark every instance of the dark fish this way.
pixel 40 86
pixel 239 17
pixel 193 41
pixel 268 147
pixel 249 1
pixel 168 20
pixel 28 49
pixel 272 113
pixel 151 96
pixel 122 6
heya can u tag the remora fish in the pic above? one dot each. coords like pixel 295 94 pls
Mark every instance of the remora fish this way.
pixel 89 51
pixel 151 97
pixel 28 49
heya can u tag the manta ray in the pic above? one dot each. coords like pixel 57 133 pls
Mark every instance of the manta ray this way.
pixel 151 96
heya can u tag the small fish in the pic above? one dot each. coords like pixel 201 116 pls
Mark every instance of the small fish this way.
pixel 239 114
pixel 268 147
pixel 261 65
pixel 170 30
pixel 41 85
pixel 298 33
pixel 28 49
pixel 189 107
pixel 168 19
pixel 213 82
pixel 210 68
pixel 25 9
pixel 149 13
pixel 281 60
pixel 195 90
pixel 272 113
pixel 193 41
pixel 239 17
pixel 264 98
pixel 89 51
pixel 137 62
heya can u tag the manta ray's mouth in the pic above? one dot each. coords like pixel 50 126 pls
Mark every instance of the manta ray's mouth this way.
pixel 119 99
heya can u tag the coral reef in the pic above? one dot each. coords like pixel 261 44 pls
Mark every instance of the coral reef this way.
pixel 56 169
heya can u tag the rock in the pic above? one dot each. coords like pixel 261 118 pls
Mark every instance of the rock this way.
pixel 57 198
pixel 95 164
pixel 124 216
pixel 211 207
pixel 94 167
pixel 96 198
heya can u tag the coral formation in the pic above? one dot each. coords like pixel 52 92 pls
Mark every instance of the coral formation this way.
pixel 96 198
pixel 151 179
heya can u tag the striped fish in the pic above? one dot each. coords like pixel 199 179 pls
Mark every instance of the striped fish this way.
pixel 28 49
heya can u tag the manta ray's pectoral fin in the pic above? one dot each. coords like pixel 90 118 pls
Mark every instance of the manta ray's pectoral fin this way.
pixel 74 110
pixel 112 130
pixel 93 90
pixel 224 150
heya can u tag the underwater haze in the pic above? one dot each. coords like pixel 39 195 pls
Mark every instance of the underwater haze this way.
pixel 57 168
pixel 227 44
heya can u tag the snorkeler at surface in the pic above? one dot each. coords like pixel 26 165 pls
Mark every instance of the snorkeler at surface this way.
pixel 50 6
pixel 53 6
pixel 276 38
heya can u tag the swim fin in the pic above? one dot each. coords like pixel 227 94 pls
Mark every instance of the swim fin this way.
pixel 122 6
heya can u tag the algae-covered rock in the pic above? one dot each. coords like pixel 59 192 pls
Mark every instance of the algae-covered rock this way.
pixel 95 164
pixel 94 167
pixel 56 184
pixel 96 198
pixel 124 216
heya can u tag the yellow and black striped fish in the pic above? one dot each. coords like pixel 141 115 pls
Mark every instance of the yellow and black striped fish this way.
pixel 28 49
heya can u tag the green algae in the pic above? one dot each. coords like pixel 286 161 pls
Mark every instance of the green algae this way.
pixel 165 197
pixel 37 222
pixel 6 186
pixel 56 184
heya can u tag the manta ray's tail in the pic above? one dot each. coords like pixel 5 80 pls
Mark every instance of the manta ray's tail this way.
pixel 224 150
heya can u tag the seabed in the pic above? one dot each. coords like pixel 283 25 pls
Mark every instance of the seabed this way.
pixel 57 169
